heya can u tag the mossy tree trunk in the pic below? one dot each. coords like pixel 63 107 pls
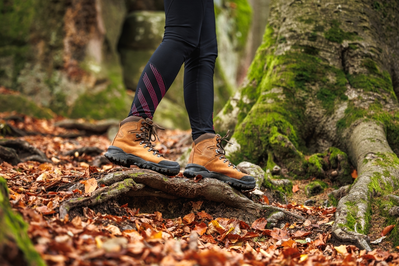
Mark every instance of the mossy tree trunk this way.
pixel 326 75
pixel 15 246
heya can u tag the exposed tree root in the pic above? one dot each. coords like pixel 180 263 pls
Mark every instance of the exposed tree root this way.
pixel 93 151
pixel 377 166
pixel 139 182
pixel 98 128
pixel 100 195
pixel 15 151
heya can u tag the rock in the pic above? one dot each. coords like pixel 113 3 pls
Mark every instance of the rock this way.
pixel 254 170
pixel 274 218
pixel 394 211
pixel 315 187
pixel 276 170
pixel 310 202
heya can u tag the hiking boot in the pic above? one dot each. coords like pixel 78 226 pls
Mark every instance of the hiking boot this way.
pixel 132 145
pixel 207 159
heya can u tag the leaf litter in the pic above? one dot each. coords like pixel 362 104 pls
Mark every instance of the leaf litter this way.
pixel 134 238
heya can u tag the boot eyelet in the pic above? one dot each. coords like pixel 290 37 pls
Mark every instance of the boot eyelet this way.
pixel 141 142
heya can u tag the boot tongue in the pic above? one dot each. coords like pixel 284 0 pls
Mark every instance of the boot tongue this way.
pixel 204 137
pixel 130 119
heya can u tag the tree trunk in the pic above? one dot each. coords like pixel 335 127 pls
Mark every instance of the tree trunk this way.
pixel 15 246
pixel 326 75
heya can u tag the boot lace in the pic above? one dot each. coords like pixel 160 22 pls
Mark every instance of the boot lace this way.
pixel 220 149
pixel 148 135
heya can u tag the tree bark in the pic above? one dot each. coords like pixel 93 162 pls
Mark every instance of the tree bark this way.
pixel 15 246
pixel 325 76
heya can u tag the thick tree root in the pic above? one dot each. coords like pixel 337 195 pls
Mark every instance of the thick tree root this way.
pixel 23 152
pixel 100 195
pixel 378 169
pixel 98 128
pixel 140 182
pixel 208 188
pixel 93 151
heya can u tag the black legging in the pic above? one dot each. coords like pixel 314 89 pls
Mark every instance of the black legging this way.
pixel 189 37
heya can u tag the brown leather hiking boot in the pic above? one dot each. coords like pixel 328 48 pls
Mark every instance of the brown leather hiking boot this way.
pixel 208 159
pixel 132 145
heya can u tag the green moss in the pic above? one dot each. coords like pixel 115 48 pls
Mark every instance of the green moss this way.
pixel 312 37
pixel 22 105
pixel 109 103
pixel 316 165
pixel 315 187
pixel 284 190
pixel 332 200
pixel 371 66
pixel 378 84
pixel 14 229
pixel 282 40
pixel 353 46
pixel 336 34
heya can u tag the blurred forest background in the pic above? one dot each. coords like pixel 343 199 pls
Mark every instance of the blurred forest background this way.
pixel 82 58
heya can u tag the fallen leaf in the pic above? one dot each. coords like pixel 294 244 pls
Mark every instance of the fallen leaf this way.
pixel 90 185
pixel 341 250
pixel 354 174
pixel 113 229
pixel 45 210
pixel 387 230
pixel 200 228
pixel 189 218
pixel 295 188
pixel 266 199
pixel 288 243
pixel 279 234
pixel 204 215
pixel 259 224
pixel 301 233
pixel 307 223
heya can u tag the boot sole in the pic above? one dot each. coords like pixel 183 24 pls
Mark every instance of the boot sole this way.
pixel 118 156
pixel 193 170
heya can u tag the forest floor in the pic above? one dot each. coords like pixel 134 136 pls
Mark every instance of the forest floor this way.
pixel 115 233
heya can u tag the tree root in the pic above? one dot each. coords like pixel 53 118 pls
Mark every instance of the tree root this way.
pixel 15 151
pixel 98 128
pixel 208 188
pixel 100 195
pixel 140 182
pixel 378 168
pixel 93 151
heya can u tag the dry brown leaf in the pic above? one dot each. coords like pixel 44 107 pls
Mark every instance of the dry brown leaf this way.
pixel 265 199
pixel 354 174
pixel 189 218
pixel 200 228
pixel 259 224
pixel 387 230
pixel 295 188
pixel 90 185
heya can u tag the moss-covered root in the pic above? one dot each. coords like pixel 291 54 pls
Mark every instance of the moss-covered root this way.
pixel 207 188
pixel 13 232
pixel 378 169
pixel 100 195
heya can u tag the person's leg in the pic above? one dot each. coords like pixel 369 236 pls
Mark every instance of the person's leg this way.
pixel 132 143
pixel 182 34
pixel 198 77
pixel 207 157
